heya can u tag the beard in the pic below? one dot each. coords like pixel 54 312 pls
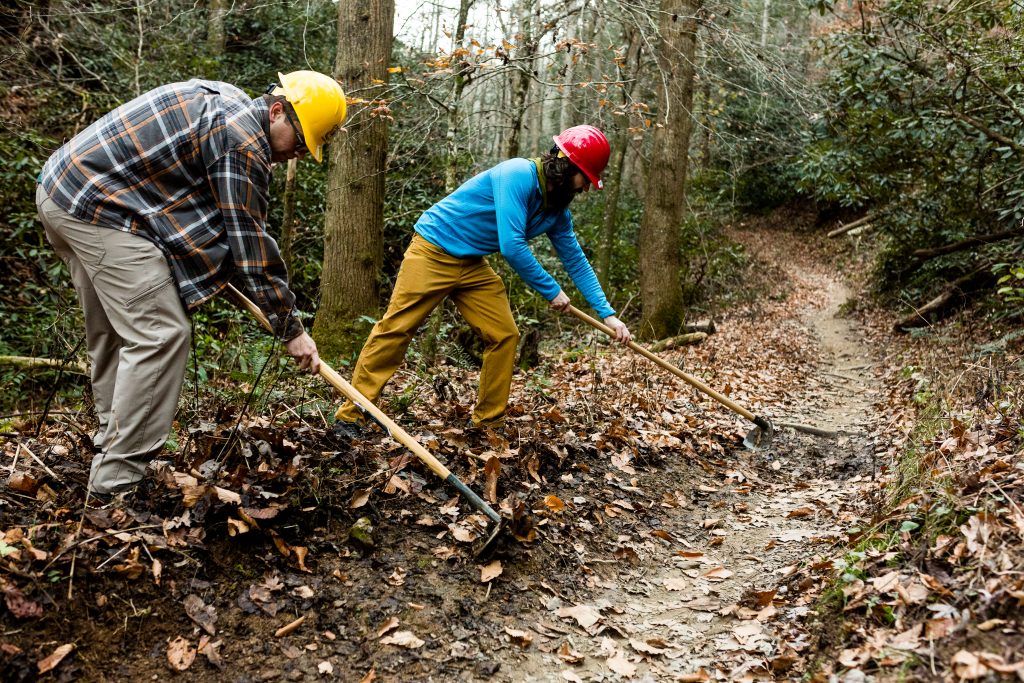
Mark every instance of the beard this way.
pixel 560 197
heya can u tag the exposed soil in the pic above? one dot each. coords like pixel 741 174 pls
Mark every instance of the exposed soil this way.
pixel 652 545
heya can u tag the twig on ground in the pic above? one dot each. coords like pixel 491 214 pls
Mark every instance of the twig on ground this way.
pixel 41 463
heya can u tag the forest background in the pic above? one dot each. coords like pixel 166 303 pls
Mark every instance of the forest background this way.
pixel 893 124
pixel 902 112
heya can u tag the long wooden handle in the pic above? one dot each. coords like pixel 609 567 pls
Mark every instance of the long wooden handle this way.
pixel 692 381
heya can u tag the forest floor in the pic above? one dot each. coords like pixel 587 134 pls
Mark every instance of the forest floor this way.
pixel 648 544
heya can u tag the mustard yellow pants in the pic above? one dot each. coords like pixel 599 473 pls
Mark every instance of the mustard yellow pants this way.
pixel 426 277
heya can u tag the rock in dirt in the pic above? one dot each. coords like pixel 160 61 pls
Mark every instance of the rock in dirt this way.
pixel 361 533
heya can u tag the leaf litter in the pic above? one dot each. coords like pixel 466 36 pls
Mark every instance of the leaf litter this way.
pixel 648 542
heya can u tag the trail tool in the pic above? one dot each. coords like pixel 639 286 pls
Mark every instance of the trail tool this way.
pixel 481 550
pixel 758 437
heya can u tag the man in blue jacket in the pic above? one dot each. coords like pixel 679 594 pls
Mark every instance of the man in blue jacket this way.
pixel 499 210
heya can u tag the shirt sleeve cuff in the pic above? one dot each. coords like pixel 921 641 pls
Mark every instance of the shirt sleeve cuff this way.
pixel 289 328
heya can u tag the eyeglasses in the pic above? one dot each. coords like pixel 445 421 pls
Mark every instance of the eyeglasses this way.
pixel 296 128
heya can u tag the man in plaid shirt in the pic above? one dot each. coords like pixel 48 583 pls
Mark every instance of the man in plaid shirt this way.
pixel 172 189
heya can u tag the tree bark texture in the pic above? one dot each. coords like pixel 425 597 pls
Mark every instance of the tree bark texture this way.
pixel 660 291
pixel 216 11
pixel 354 225
pixel 287 239
pixel 460 68
pixel 620 143
pixel 525 58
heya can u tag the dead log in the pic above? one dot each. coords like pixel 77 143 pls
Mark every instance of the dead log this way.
pixel 705 326
pixel 954 296
pixel 843 229
pixel 29 363
pixel 925 254
pixel 687 339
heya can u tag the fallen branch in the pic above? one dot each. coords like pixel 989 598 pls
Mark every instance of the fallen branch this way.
pixel 687 339
pixel 957 293
pixel 967 244
pixel 705 326
pixel 288 628
pixel 29 363
pixel 843 229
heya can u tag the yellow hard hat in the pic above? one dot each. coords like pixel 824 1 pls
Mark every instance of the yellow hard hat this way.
pixel 319 102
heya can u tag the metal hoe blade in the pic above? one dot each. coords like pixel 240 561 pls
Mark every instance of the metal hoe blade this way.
pixel 760 436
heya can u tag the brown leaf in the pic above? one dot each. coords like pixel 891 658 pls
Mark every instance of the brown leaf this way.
pixel 180 654
pixel 20 606
pixel 568 655
pixel 801 512
pixel 699 676
pixel 204 615
pixel 521 638
pixel 490 571
pixel 664 535
pixel 388 626
pixel 491 471
pixel 131 568
pixel 301 552
pixel 236 527
pixel 554 503
pixel 370 676
pixel 718 574
pixel 620 665
pixel 404 639
pixel 261 513
pixel 584 615
pixel 991 624
pixel 645 648
pixel 359 498
pixel 211 650
pixel 58 655
pixel 23 483
pixel 967 666
pixel 675 583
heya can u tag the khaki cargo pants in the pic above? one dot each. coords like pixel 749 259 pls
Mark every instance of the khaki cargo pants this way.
pixel 137 332
pixel 429 274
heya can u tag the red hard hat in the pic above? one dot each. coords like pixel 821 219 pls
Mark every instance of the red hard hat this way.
pixel 588 148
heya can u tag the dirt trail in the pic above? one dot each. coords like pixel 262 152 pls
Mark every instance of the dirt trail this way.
pixel 707 605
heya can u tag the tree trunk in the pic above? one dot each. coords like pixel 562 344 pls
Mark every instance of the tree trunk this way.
pixel 354 225
pixel 660 290
pixel 287 240
pixel 525 55
pixel 216 11
pixel 606 246
pixel 461 68
pixel 765 15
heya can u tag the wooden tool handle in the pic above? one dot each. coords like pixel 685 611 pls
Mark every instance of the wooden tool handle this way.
pixel 692 381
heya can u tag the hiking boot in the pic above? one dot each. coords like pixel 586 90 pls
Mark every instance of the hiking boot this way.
pixel 120 497
pixel 345 432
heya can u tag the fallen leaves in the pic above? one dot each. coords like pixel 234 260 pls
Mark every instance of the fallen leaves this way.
pixel 490 571
pixel 586 616
pixel 180 654
pixel 404 639
pixel 52 661
pixel 202 614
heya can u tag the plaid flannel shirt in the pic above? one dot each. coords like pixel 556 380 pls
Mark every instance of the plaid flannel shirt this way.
pixel 187 166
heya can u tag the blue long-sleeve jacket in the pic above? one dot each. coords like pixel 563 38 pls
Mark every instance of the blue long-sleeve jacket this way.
pixel 500 210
